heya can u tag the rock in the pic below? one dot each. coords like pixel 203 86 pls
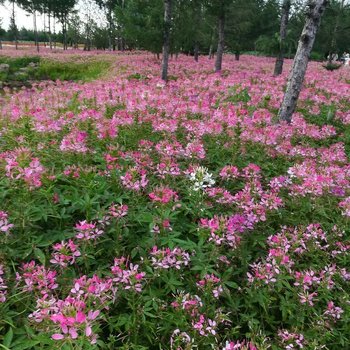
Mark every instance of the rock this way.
pixel 32 65
pixel 21 74
pixel 4 68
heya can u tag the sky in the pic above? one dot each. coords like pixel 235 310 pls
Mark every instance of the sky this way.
pixel 23 20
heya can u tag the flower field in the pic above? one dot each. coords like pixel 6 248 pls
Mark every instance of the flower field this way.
pixel 139 215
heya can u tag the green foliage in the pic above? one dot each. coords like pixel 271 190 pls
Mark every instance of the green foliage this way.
pixel 142 24
pixel 19 62
pixel 316 56
pixel 332 66
pixel 85 71
pixel 45 69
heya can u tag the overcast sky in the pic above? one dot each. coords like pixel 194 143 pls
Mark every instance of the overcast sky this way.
pixel 23 20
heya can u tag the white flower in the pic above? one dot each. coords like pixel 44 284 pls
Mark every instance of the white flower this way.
pixel 201 178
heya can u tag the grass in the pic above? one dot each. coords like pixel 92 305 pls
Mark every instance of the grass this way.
pixel 82 71
pixel 52 69
pixel 19 62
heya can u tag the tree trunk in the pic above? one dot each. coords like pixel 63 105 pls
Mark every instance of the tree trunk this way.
pixel 110 28
pixel 196 51
pixel 54 31
pixel 283 34
pixel 237 55
pixel 49 28
pixel 64 30
pixel 197 25
pixel 35 31
pixel 211 45
pixel 44 20
pixel 297 74
pixel 210 55
pixel 332 51
pixel 13 20
pixel 221 41
pixel 166 41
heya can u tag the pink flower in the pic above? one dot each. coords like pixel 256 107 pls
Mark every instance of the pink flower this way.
pixel 333 312
pixel 163 195
pixel 211 284
pixel 167 258
pixel 3 286
pixel 65 253
pixel 88 231
pixel 126 275
pixel 135 179
pixel 57 336
pixel 5 226
pixel 75 142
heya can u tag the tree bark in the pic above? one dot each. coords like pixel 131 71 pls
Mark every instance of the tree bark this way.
pixel 64 30
pixel 210 54
pixel 197 21
pixel 237 55
pixel 166 41
pixel 301 59
pixel 54 30
pixel 49 28
pixel 221 41
pixel 196 51
pixel 333 47
pixel 110 30
pixel 283 34
pixel 35 31
pixel 13 24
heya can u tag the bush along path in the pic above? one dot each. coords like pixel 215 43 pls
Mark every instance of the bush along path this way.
pixel 139 215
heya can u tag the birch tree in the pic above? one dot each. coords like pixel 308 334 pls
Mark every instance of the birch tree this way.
pixel 2 31
pixel 33 7
pixel 314 11
pixel 282 37
pixel 13 26
pixel 221 36
pixel 333 46
pixel 166 38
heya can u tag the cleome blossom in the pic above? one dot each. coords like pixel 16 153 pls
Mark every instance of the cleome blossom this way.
pixel 167 258
pixel 5 226
pixel 65 253
pixel 67 320
pixel 200 178
pixel 239 345
pixel 3 286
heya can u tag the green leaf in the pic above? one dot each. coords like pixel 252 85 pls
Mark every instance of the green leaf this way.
pixel 232 284
pixel 39 254
pixel 4 347
pixel 26 344
pixel 8 338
